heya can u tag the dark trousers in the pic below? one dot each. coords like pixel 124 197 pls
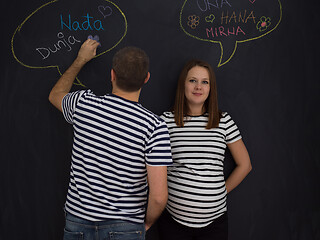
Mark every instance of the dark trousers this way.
pixel 169 229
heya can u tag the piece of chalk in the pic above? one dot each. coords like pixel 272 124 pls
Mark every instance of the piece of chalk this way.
pixel 96 38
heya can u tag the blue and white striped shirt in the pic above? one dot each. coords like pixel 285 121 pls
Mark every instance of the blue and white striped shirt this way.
pixel 114 139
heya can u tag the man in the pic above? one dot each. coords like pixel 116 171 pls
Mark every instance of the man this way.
pixel 120 150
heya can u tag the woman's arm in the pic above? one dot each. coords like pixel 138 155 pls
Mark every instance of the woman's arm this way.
pixel 243 164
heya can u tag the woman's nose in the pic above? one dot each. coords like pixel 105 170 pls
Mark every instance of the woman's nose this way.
pixel 198 86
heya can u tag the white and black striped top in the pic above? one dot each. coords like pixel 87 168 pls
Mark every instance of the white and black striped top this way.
pixel 197 193
pixel 114 139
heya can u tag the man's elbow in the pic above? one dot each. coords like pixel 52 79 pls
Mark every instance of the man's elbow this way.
pixel 55 100
pixel 249 168
pixel 161 199
pixel 51 98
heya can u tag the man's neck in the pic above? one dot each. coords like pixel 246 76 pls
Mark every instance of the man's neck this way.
pixel 131 96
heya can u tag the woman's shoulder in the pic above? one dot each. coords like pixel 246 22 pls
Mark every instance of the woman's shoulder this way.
pixel 168 114
pixel 224 116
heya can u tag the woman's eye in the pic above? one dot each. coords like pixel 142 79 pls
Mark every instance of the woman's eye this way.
pixel 205 82
pixel 192 80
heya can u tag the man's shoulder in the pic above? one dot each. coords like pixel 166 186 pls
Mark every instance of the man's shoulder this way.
pixel 151 115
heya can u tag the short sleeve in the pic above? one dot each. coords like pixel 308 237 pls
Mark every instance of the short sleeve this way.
pixel 165 116
pixel 69 104
pixel 158 149
pixel 232 131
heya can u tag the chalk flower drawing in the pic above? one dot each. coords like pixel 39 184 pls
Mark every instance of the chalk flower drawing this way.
pixel 193 21
pixel 263 24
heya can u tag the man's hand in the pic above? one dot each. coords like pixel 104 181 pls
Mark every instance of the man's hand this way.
pixel 87 51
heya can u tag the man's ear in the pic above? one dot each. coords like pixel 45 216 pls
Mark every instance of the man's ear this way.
pixel 147 78
pixel 113 75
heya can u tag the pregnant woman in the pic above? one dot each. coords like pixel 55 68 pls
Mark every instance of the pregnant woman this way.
pixel 199 135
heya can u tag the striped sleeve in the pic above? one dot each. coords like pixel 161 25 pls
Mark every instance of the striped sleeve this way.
pixel 69 103
pixel 232 131
pixel 158 150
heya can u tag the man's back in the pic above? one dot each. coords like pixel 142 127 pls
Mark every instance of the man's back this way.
pixel 114 139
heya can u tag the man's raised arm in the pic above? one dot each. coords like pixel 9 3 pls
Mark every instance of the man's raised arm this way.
pixel 64 84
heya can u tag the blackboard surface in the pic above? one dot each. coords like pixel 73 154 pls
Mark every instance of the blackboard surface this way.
pixel 265 55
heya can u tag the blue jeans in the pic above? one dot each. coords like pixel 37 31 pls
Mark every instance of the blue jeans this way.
pixel 81 229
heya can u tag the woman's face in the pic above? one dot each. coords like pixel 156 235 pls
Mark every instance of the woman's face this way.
pixel 197 86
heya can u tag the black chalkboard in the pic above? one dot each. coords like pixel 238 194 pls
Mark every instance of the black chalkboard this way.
pixel 264 53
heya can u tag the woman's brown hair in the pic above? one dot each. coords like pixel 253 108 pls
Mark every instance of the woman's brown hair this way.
pixel 181 108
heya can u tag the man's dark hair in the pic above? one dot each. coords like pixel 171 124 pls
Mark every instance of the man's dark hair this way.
pixel 130 65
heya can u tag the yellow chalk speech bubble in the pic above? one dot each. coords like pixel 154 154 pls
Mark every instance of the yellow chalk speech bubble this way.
pixel 105 11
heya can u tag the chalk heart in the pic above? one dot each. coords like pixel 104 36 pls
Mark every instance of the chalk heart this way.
pixel 252 1
pixel 106 11
pixel 210 18
pixel 96 37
